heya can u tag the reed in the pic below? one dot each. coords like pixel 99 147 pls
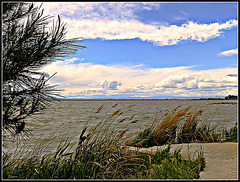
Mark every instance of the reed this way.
pixel 183 126
pixel 100 154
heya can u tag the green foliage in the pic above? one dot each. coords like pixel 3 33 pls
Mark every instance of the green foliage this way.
pixel 144 138
pixel 231 97
pixel 167 166
pixel 230 135
pixel 95 163
pixel 28 44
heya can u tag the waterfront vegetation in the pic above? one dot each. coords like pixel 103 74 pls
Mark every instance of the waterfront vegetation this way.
pixel 183 126
pixel 97 161
pixel 102 152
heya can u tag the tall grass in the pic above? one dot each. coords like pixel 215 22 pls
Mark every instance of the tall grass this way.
pixel 100 154
pixel 183 126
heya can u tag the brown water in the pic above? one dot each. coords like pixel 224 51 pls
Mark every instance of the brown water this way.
pixel 66 119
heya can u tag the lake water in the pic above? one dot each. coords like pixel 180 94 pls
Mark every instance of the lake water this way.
pixel 66 119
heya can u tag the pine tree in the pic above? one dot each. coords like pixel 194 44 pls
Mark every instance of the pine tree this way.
pixel 28 44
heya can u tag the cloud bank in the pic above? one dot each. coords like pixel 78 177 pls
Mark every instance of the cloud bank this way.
pixel 85 80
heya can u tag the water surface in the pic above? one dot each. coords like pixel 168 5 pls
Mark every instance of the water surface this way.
pixel 66 119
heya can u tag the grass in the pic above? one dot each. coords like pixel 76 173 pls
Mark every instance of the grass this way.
pixel 101 154
pixel 105 163
pixel 183 126
pixel 229 135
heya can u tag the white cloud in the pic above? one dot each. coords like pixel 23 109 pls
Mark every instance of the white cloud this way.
pixel 98 10
pixel 200 81
pixel 114 21
pixel 84 80
pixel 71 60
pixel 159 35
pixel 229 52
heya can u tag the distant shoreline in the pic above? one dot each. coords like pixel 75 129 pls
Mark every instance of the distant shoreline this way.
pixel 137 99
pixel 229 97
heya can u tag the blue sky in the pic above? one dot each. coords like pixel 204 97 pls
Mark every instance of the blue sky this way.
pixel 148 50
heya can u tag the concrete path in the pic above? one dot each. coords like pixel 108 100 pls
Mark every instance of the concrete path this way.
pixel 221 158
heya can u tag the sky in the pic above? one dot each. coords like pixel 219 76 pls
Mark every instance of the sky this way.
pixel 148 50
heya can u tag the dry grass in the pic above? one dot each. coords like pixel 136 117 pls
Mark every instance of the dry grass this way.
pixel 183 126
pixel 100 154
pixel 167 129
